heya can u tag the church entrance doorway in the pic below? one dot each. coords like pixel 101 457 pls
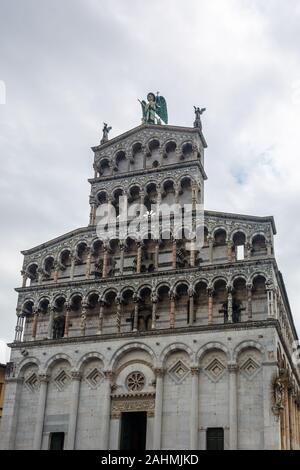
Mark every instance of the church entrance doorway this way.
pixel 133 430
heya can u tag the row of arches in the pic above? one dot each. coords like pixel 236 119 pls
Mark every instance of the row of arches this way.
pixel 128 309
pixel 118 257
pixel 151 155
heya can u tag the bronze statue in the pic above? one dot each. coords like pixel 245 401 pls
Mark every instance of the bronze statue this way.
pixel 105 132
pixel 155 111
pixel 198 113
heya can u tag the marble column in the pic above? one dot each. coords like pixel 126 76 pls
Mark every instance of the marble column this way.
pixel 193 254
pixel 210 305
pixel 156 255
pixel 174 254
pixel 229 300
pixel 139 257
pixel 233 407
pixel 191 306
pixel 122 249
pixel 210 248
pixel 172 310
pixel 136 314
pixel 40 414
pixel 67 320
pixel 101 309
pixel 270 295
pixel 154 309
pixel 157 428
pixel 24 278
pixel 72 268
pixel 56 271
pixel 194 417
pixel 35 323
pixel 19 327
pixel 229 251
pixel 106 393
pixel 88 263
pixel 50 324
pixel 119 314
pixel 105 262
pixel 249 301
pixel 76 379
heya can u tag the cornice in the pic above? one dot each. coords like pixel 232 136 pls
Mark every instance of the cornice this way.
pixel 156 128
pixel 160 332
pixel 150 171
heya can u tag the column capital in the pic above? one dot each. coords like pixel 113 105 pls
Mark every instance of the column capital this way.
pixel 76 375
pixel 159 372
pixel 232 367
pixel 195 370
pixel 43 378
pixel 109 375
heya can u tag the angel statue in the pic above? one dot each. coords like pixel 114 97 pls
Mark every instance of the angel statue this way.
pixel 155 111
pixel 105 131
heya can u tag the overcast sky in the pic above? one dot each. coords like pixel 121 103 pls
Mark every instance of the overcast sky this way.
pixel 68 65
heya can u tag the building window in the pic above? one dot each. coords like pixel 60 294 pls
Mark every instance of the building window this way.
pixel 57 440
pixel 215 439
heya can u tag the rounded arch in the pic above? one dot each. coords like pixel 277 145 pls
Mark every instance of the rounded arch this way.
pixel 87 357
pixel 25 363
pixel 257 234
pixel 213 345
pixel 127 348
pixel 218 279
pixel 171 348
pixel 245 345
pixel 235 232
pixel 144 286
pixel 181 282
pixel 200 280
pixel 219 228
pixel 56 358
pixel 162 285
pixel 258 274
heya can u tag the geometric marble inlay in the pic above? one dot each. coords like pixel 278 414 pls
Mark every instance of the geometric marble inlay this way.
pixel 215 369
pixel 178 372
pixel 94 378
pixel 32 383
pixel 62 380
pixel 249 368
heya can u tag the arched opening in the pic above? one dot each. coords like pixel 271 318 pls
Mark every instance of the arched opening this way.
pixel 259 246
pixel 121 162
pixel 170 152
pixel 259 297
pixel 187 151
pixel 239 242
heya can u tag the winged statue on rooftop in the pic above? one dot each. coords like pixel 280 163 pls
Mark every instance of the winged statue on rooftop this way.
pixel 155 110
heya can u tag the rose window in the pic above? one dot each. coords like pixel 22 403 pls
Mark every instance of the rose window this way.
pixel 135 381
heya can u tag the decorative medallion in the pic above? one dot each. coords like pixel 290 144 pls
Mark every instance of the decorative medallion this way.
pixel 135 382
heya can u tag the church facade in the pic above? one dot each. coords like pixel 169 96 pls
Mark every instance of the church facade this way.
pixel 153 342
